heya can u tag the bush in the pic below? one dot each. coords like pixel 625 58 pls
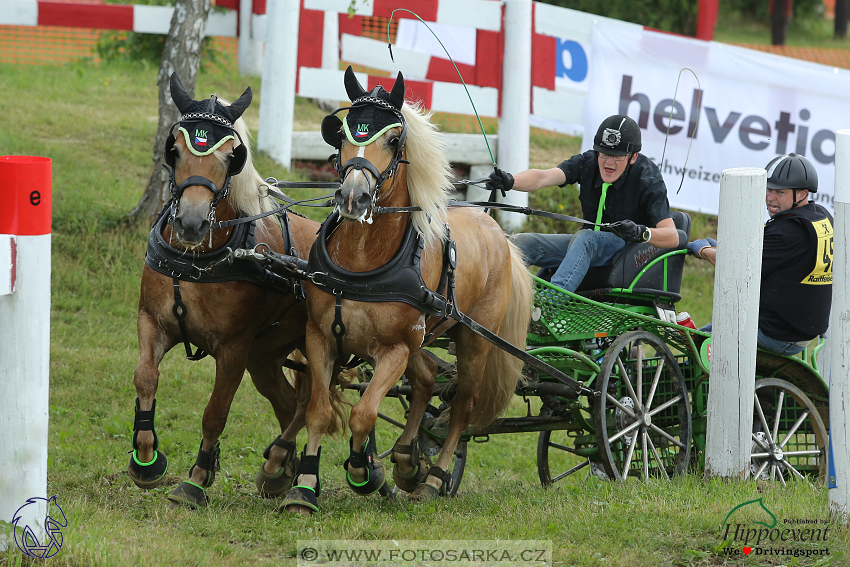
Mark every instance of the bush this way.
pixel 677 16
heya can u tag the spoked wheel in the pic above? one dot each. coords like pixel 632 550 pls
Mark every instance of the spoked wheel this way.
pixel 789 437
pixel 643 417
pixel 556 460
pixel 428 445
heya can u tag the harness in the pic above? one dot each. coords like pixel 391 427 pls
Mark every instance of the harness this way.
pixel 216 266
pixel 399 280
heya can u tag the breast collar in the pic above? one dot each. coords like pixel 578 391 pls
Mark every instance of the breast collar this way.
pixel 214 267
pixel 399 280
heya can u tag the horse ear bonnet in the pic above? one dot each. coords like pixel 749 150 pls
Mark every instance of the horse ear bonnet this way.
pixel 207 124
pixel 371 114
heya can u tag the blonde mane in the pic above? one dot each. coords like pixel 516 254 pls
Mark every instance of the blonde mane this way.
pixel 429 175
pixel 245 187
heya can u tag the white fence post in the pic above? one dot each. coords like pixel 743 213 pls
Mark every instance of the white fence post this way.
pixel 737 283
pixel 516 102
pixel 250 47
pixel 25 215
pixel 280 68
pixel 839 363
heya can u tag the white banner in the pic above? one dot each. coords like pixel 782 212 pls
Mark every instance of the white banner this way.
pixel 747 108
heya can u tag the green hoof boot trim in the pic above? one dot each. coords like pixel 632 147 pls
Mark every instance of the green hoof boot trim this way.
pixel 148 475
pixel 375 474
pixel 300 496
pixel 274 485
pixel 409 482
pixel 189 494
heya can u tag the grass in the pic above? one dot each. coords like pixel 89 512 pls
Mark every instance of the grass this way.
pixel 97 123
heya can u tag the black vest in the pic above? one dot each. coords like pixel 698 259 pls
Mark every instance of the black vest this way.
pixel 809 287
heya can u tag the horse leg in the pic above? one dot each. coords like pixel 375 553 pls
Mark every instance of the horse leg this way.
pixel 275 475
pixel 472 357
pixel 410 463
pixel 364 471
pixel 230 366
pixel 147 465
pixel 302 497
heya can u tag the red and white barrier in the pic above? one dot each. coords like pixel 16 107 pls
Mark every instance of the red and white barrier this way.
pixel 25 214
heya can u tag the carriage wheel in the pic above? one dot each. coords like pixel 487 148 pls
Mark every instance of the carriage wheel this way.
pixel 643 417
pixel 556 459
pixel 428 445
pixel 789 437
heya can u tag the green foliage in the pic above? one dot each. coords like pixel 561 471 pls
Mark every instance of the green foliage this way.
pixel 678 16
pixel 760 10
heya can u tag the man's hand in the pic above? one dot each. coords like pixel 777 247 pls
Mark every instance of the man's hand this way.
pixel 500 180
pixel 630 231
pixel 696 246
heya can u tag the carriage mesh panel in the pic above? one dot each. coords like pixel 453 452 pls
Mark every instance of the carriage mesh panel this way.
pixel 566 316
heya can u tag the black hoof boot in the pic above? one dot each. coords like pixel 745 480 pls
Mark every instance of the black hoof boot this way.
pixel 271 486
pixel 194 495
pixel 305 496
pixel 427 492
pixel 375 475
pixel 146 475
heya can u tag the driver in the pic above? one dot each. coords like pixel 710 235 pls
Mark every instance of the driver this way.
pixel 796 265
pixel 616 185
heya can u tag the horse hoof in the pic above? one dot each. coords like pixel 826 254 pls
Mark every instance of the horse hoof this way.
pixel 375 477
pixel 148 475
pixel 300 500
pixel 409 482
pixel 426 492
pixel 189 494
pixel 273 485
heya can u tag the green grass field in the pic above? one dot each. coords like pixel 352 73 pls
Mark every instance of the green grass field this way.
pixel 97 124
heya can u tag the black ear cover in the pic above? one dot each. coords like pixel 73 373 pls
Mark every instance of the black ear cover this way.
pixel 332 130
pixel 237 161
pixel 169 150
pixel 397 94
pixel 352 86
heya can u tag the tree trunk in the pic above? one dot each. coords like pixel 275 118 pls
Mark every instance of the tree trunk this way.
pixel 778 22
pixel 842 10
pixel 182 54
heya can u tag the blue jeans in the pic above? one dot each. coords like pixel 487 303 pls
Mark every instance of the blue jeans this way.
pixel 571 254
pixel 773 345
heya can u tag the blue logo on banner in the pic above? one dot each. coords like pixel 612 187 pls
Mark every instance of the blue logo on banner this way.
pixel 54 520
pixel 577 71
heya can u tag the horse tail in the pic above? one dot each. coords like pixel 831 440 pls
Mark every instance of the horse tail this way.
pixel 503 370
pixel 339 403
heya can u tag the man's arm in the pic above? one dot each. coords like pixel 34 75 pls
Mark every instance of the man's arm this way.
pixel 664 235
pixel 534 179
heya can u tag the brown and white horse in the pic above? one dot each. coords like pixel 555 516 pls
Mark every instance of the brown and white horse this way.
pixel 242 324
pixel 377 139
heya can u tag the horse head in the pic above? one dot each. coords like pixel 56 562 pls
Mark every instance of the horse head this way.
pixel 203 155
pixel 370 143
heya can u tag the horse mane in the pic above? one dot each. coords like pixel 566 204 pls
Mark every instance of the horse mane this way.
pixel 245 194
pixel 429 175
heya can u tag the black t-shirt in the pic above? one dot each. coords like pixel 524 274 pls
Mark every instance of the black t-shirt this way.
pixel 639 195
pixel 796 274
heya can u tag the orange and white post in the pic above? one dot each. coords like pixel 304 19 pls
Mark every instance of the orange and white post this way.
pixel 25 215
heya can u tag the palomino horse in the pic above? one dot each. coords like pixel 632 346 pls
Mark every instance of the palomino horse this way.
pixel 239 313
pixel 390 155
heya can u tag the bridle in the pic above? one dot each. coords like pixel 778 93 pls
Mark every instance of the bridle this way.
pixel 332 132
pixel 237 161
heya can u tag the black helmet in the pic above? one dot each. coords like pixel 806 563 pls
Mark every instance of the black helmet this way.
pixel 792 171
pixel 618 135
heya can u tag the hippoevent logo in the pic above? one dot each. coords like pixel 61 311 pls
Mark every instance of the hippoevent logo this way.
pixel 770 537
pixel 28 517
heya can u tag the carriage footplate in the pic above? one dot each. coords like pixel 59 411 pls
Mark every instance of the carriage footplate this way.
pixel 192 494
pixel 410 481
pixel 272 485
pixel 375 474
pixel 146 475
pixel 427 492
pixel 300 495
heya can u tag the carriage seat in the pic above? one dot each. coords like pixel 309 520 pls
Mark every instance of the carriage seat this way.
pixel 634 257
